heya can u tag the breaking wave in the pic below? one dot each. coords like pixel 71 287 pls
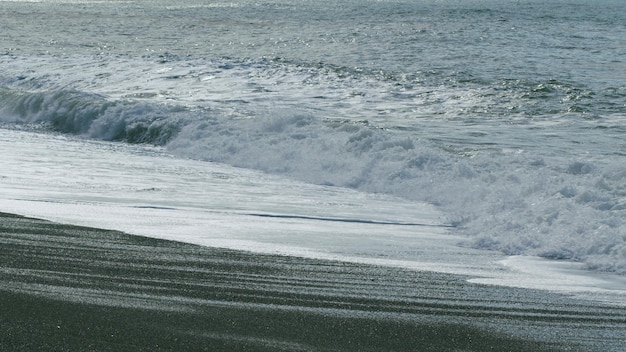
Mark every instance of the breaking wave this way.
pixel 91 115
pixel 501 186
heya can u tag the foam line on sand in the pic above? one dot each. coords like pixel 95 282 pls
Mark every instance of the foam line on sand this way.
pixel 75 289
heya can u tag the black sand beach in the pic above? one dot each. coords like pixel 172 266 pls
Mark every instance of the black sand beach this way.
pixel 68 288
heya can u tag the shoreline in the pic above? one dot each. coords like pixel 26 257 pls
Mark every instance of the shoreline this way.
pixel 74 288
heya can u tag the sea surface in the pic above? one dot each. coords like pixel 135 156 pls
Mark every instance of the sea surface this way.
pixel 478 137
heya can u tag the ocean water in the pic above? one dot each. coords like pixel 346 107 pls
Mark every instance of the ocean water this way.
pixel 493 127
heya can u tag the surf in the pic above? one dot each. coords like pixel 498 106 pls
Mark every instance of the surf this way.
pixel 541 187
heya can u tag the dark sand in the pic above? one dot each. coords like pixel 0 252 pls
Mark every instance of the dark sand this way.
pixel 68 288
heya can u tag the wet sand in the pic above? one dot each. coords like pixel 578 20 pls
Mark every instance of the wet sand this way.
pixel 68 288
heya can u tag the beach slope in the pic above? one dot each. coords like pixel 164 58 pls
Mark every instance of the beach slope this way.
pixel 69 288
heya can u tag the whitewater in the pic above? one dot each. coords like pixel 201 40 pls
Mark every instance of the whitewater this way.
pixel 476 137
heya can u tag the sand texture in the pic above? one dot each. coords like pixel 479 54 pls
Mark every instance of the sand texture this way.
pixel 68 288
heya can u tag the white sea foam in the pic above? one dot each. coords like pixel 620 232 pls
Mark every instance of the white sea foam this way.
pixel 144 191
pixel 547 188
pixel 509 123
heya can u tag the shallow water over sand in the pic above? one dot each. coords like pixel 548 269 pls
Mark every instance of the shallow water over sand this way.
pixel 144 191
pixel 70 288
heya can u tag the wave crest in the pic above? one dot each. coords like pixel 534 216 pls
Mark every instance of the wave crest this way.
pixel 91 115
pixel 519 188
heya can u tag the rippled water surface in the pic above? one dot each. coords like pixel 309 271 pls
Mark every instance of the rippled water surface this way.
pixel 507 115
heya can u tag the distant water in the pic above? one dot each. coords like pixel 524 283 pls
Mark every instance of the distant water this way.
pixel 509 116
